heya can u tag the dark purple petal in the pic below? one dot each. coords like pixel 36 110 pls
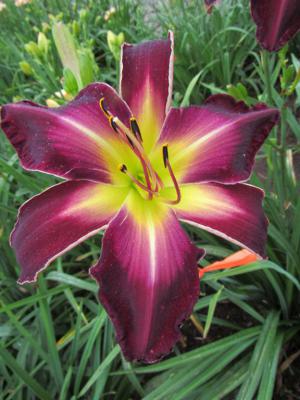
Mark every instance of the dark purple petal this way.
pixel 216 142
pixel 277 21
pixel 209 4
pixel 56 220
pixel 148 279
pixel 233 212
pixel 146 84
pixel 72 141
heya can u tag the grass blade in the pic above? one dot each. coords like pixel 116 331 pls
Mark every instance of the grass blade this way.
pixel 259 360
pixel 23 375
pixel 106 362
pixel 48 327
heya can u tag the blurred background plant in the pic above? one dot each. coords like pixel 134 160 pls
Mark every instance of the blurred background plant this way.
pixel 242 340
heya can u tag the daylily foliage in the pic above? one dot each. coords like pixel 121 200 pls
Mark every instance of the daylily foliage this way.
pixel 135 166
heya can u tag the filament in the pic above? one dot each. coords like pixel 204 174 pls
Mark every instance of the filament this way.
pixel 138 146
pixel 174 180
pixel 132 137
pixel 123 169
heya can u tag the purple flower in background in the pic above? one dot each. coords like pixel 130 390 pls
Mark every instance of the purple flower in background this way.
pixel 277 21
pixel 209 4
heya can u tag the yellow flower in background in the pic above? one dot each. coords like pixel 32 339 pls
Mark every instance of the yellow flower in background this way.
pixel 20 3
pixel 109 13
pixel 2 6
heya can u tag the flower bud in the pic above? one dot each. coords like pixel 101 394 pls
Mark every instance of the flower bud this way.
pixel 83 14
pixel 109 13
pixel 52 103
pixel 75 28
pixel 45 27
pixel 43 43
pixel 70 82
pixel 66 48
pixel 114 43
pixel 25 68
pixel 20 3
pixel 2 6
pixel 86 65
pixel 33 49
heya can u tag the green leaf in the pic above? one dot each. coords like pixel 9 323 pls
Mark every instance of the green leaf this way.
pixel 262 353
pixel 211 310
pixel 226 381
pixel 48 326
pixel 66 384
pixel 72 281
pixel 95 329
pixel 105 363
pixel 186 99
pixel 201 353
pixel 269 374
pixel 70 82
pixel 213 369
pixel 23 375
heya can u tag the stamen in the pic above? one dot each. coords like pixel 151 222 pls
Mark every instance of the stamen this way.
pixel 123 169
pixel 113 124
pixel 133 138
pixel 135 129
pixel 103 107
pixel 139 147
pixel 175 183
pixel 128 134
pixel 159 181
pixel 165 154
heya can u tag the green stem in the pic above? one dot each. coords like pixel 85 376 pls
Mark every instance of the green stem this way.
pixel 267 75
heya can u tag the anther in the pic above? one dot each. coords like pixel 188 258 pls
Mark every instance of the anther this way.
pixel 103 107
pixel 165 154
pixel 113 124
pixel 135 129
pixel 123 168
pixel 175 183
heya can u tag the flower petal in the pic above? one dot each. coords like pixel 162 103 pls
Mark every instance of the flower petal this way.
pixel 148 278
pixel 72 141
pixel 209 4
pixel 217 141
pixel 56 220
pixel 146 84
pixel 233 212
pixel 277 21
pixel 237 259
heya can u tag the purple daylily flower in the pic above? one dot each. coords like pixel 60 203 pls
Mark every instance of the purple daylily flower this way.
pixel 135 167
pixel 277 21
pixel 209 4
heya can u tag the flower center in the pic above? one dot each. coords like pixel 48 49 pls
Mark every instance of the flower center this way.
pixel 152 184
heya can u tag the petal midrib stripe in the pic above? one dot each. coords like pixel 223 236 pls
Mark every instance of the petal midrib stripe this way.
pixel 193 145
pixel 92 135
